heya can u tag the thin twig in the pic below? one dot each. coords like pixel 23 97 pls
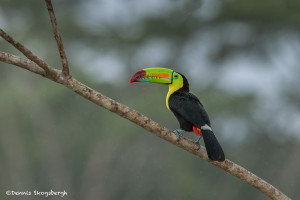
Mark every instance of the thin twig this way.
pixel 63 57
pixel 25 51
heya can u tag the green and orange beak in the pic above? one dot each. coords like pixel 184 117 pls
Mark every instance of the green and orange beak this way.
pixel 155 75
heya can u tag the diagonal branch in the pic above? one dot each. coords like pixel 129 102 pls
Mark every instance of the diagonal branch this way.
pixel 35 64
pixel 155 128
pixel 58 39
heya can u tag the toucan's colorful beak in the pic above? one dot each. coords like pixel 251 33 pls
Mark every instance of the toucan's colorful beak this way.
pixel 155 75
pixel 137 76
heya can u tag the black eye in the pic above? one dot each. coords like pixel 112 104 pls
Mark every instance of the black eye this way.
pixel 175 76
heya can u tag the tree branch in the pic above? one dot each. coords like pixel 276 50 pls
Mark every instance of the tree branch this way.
pixel 25 51
pixel 21 62
pixel 130 114
pixel 58 39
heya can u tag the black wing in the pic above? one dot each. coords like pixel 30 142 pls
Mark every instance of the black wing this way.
pixel 188 107
pixel 189 112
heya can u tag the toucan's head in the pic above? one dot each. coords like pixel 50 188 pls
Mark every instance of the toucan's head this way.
pixel 161 75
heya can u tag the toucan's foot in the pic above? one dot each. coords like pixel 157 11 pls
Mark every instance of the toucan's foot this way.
pixel 178 132
pixel 198 142
pixel 199 145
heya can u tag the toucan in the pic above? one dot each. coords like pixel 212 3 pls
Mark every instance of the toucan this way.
pixel 186 107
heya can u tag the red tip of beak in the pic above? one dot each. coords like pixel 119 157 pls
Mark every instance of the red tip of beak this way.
pixel 138 75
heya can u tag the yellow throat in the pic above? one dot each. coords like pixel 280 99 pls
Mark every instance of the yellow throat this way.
pixel 173 87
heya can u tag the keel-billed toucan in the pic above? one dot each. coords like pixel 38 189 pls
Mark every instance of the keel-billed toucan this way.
pixel 186 107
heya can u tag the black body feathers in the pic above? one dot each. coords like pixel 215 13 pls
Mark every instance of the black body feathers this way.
pixel 190 112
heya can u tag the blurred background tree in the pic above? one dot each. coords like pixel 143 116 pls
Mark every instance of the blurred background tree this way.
pixel 241 58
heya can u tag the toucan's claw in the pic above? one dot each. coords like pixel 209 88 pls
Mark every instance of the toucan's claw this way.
pixel 198 142
pixel 179 133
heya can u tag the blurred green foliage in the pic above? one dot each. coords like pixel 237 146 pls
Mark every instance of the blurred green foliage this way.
pixel 51 138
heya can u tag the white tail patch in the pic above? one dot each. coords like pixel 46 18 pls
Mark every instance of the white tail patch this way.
pixel 205 127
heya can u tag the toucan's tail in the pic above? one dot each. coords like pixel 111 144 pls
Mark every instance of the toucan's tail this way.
pixel 213 148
